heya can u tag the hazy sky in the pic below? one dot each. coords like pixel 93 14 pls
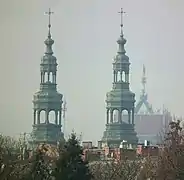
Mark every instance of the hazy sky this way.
pixel 85 34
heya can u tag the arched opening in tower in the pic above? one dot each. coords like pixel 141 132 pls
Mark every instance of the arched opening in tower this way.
pixel 42 116
pixel 118 76
pixel 109 116
pixel 52 117
pixel 123 76
pixel 124 116
pixel 52 77
pixel 115 116
pixel 47 77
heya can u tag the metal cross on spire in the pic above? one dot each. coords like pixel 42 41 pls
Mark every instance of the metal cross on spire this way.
pixel 144 70
pixel 49 14
pixel 121 13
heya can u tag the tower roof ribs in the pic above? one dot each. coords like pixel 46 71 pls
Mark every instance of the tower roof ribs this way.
pixel 143 97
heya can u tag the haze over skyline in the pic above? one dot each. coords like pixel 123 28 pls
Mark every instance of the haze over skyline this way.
pixel 85 34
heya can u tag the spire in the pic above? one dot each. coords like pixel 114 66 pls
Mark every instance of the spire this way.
pixel 143 96
pixel 48 61
pixel 121 41
pixel 49 42
pixel 143 81
pixel 121 61
pixel 121 24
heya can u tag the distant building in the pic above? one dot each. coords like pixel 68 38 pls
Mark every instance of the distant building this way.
pixel 144 151
pixel 87 144
pixel 118 100
pixel 149 124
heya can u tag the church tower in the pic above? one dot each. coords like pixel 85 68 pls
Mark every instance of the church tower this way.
pixel 120 99
pixel 144 96
pixel 47 100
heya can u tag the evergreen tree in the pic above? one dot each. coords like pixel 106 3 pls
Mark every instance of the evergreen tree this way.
pixel 70 165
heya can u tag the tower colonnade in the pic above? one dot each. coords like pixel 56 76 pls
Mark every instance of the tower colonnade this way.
pixel 48 119
pixel 111 116
pixel 48 77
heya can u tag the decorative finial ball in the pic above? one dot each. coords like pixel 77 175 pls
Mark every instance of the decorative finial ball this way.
pixel 121 40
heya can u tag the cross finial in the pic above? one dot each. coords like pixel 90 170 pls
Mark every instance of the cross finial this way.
pixel 144 70
pixel 49 14
pixel 121 13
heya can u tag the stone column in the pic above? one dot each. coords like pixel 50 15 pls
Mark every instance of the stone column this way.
pixel 116 76
pixel 121 76
pixel 34 116
pixel 129 117
pixel 43 77
pixel 47 116
pixel 127 77
pixel 38 117
pixel 111 116
pixel 133 116
pixel 48 76
pixel 53 78
pixel 107 116
pixel 60 117
pixel 119 116
pixel 114 73
pixel 56 117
